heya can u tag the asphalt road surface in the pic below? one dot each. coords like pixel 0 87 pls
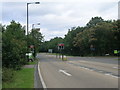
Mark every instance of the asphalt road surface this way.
pixel 78 73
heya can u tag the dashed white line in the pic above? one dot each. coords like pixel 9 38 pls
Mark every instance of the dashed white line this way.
pixel 115 67
pixel 63 71
pixel 111 75
pixel 107 74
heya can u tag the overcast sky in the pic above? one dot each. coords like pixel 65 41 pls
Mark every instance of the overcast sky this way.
pixel 57 16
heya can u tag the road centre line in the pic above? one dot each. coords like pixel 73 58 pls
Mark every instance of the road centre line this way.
pixel 63 71
pixel 116 67
pixel 111 75
pixel 93 69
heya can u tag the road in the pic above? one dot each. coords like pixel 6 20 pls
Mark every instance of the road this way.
pixel 77 73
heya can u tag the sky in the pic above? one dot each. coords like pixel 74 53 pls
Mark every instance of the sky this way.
pixel 57 16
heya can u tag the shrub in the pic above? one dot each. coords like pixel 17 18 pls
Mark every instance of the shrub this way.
pixel 7 75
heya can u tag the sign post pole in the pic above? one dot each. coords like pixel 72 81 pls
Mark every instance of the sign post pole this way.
pixel 60 48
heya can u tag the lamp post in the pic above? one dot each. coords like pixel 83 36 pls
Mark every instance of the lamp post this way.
pixel 35 24
pixel 33 28
pixel 28 23
pixel 27 13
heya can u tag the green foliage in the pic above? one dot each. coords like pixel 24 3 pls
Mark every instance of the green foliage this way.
pixel 23 78
pixel 69 38
pixel 14 46
pixel 98 37
pixel 7 75
pixel 102 36
pixel 35 38
pixel 52 44
pixel 94 21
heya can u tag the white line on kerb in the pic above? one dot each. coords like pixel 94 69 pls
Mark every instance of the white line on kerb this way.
pixel 42 81
pixel 63 71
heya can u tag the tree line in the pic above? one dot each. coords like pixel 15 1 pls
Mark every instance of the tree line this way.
pixel 15 44
pixel 97 37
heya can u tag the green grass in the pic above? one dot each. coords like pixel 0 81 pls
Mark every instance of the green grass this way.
pixel 24 78
pixel 32 63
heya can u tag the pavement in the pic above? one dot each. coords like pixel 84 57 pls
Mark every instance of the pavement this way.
pixel 78 72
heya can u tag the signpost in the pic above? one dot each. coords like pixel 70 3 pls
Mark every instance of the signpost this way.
pixel 92 48
pixel 60 48
pixel 117 53
pixel 50 50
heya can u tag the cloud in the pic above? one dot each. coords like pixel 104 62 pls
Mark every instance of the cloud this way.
pixel 51 34
pixel 56 17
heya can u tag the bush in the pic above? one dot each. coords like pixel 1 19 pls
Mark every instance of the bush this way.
pixel 7 75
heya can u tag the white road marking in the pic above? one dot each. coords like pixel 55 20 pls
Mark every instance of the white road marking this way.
pixel 111 75
pixel 90 70
pixel 42 81
pixel 63 71
pixel 86 68
pixel 115 67
pixel 107 74
pixel 114 76
pixel 99 71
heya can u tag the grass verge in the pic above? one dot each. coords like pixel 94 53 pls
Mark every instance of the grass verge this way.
pixel 23 78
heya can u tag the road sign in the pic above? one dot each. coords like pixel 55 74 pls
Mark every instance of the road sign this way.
pixel 31 46
pixel 60 46
pixel 50 50
pixel 115 52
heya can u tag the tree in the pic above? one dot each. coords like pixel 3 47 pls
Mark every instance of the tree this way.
pixel 69 39
pixel 52 44
pixel 35 38
pixel 101 37
pixel 94 21
pixel 14 46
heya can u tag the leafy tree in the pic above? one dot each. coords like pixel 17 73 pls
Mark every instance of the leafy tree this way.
pixel 35 38
pixel 69 38
pixel 52 44
pixel 14 46
pixel 101 37
pixel 94 21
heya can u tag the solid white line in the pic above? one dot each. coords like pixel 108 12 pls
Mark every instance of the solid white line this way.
pixel 63 71
pixel 42 81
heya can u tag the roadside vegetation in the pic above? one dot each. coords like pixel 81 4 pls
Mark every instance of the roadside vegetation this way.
pixel 23 78
pixel 98 38
pixel 15 45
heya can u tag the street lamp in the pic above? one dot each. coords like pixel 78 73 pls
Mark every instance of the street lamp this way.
pixel 35 24
pixel 28 21
pixel 27 12
pixel 33 28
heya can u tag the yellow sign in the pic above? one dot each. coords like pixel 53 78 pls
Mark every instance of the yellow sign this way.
pixel 115 51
